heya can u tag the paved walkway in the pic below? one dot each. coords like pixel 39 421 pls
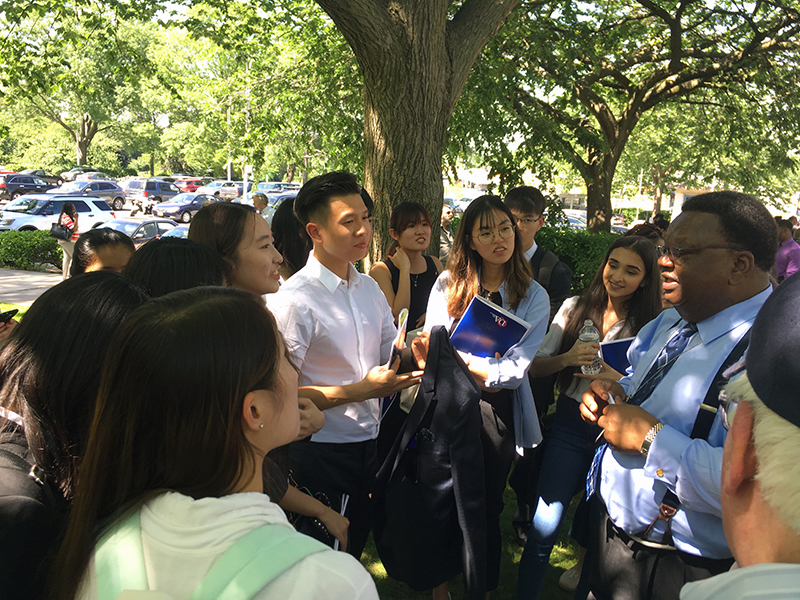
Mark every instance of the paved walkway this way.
pixel 23 287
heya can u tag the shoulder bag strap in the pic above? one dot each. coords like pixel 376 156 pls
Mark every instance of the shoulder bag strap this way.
pixel 253 561
pixel 119 559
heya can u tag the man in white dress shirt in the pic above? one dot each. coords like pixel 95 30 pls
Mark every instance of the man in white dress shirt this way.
pixel 761 462
pixel 339 329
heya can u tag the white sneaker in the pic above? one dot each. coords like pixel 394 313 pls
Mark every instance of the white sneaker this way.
pixel 569 579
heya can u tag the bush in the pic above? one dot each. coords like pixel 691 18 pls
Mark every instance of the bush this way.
pixel 29 250
pixel 581 250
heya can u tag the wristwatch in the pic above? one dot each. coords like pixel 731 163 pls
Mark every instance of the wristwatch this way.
pixel 648 439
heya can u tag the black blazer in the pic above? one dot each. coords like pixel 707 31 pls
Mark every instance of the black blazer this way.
pixel 429 497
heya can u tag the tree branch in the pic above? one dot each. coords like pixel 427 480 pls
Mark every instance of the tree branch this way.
pixel 469 30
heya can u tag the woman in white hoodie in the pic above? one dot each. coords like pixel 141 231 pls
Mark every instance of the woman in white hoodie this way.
pixel 196 390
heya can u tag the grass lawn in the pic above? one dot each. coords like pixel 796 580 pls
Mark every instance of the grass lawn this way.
pixel 565 555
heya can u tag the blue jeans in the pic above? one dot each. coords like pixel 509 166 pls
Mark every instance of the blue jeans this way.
pixel 567 458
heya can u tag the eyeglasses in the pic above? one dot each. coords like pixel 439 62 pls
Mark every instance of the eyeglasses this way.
pixel 528 220
pixel 487 237
pixel 675 253
pixel 728 409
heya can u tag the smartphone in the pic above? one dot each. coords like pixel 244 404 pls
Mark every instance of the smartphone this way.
pixel 7 316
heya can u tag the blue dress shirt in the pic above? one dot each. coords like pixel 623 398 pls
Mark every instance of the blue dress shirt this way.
pixel 632 487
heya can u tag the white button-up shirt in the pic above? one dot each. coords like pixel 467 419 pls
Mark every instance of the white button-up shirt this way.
pixel 336 331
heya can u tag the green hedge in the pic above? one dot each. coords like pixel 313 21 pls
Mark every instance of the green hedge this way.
pixel 29 250
pixel 581 250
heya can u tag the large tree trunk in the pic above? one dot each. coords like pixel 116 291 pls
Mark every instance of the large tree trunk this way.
pixel 598 200
pixel 658 188
pixel 84 134
pixel 415 59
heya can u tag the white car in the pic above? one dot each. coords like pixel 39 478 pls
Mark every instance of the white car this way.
pixel 33 212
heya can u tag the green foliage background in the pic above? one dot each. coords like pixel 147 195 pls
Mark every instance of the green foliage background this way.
pixel 581 250
pixel 29 250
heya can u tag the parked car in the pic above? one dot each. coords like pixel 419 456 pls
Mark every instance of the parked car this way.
pixel 42 174
pixel 213 187
pixel 14 186
pixel 181 231
pixel 190 185
pixel 73 173
pixel 274 200
pixel 40 211
pixel 107 190
pixel 152 192
pixel 141 232
pixel 266 187
pixel 233 189
pixel 183 206
pixel 93 176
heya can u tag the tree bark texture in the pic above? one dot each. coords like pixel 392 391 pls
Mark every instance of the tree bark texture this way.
pixel 414 57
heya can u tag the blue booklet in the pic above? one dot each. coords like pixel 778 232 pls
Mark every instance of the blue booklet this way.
pixel 615 353
pixel 487 328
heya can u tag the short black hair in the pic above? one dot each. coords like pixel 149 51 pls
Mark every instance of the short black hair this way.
pixel 743 220
pixel 314 199
pixel 526 199
pixel 170 264
pixel 783 223
pixel 89 242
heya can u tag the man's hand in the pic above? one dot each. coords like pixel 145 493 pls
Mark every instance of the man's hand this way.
pixel 595 399
pixel 385 382
pixel 625 426
pixel 311 418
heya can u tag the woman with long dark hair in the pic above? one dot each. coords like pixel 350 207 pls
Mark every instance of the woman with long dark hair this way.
pixel 291 239
pixel 243 238
pixel 196 390
pixel 49 377
pixel 623 296
pixel 487 260
pixel 69 218
pixel 407 276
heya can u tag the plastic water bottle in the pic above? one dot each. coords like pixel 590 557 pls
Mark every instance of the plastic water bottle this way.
pixel 590 335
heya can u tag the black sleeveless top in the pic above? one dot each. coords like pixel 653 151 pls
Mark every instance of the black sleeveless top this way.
pixel 421 286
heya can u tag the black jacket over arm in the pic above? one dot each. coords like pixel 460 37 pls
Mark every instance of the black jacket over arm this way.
pixel 430 515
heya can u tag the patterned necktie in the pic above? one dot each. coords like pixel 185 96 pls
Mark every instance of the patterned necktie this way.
pixel 663 363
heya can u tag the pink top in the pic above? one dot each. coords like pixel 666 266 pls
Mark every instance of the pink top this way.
pixel 788 259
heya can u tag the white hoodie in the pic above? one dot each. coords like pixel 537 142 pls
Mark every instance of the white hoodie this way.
pixel 182 538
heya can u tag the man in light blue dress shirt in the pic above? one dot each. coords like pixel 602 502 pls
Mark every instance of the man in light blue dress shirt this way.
pixel 715 267
pixel 761 462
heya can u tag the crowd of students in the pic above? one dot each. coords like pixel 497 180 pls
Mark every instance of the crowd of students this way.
pixel 159 425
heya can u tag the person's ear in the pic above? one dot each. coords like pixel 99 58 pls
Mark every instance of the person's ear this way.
pixel 393 235
pixel 314 232
pixel 743 264
pixel 252 417
pixel 742 464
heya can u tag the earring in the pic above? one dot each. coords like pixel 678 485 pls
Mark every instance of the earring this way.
pixel 261 425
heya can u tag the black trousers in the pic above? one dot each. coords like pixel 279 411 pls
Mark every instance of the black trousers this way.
pixel 497 438
pixel 338 469
pixel 622 569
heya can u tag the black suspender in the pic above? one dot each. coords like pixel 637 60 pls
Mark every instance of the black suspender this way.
pixel 702 427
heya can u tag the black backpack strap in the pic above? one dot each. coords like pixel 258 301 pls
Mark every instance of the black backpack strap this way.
pixel 702 427
pixel 34 472
pixel 549 262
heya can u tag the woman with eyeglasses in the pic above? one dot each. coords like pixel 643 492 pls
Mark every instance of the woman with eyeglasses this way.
pixel 622 297
pixel 487 260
